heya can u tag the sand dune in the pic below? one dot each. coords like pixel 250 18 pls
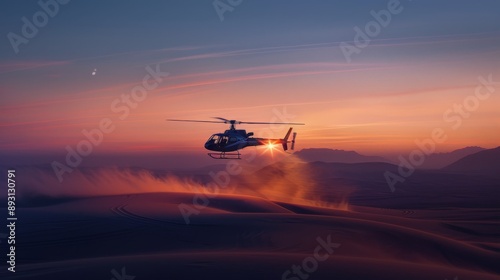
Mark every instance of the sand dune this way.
pixel 245 237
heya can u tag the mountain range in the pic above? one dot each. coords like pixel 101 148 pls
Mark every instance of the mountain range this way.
pixel 486 162
pixel 440 160
pixel 477 156
pixel 330 155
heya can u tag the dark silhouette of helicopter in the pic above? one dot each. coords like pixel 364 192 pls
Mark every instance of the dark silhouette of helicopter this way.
pixel 233 140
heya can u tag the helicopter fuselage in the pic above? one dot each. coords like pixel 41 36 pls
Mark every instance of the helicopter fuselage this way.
pixel 236 139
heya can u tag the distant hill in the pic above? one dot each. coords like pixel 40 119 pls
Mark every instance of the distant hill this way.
pixel 486 162
pixel 330 155
pixel 440 160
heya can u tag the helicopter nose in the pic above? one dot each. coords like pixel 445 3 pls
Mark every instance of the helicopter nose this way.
pixel 208 146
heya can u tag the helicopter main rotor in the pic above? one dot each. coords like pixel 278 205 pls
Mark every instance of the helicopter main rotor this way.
pixel 232 123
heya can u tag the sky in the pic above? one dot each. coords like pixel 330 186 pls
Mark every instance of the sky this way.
pixel 427 66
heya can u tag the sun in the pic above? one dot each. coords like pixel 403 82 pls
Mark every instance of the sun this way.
pixel 270 146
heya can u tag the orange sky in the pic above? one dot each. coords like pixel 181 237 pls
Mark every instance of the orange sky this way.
pixel 372 108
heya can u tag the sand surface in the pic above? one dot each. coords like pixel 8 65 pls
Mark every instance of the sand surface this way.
pixel 246 237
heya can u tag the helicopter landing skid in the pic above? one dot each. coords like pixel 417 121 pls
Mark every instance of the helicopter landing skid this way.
pixel 224 155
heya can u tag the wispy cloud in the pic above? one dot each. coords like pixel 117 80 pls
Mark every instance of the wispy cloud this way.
pixel 14 66
pixel 141 52
pixel 438 39
pixel 282 74
pixel 253 51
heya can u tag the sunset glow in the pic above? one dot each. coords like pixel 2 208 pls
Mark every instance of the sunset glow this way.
pixel 380 102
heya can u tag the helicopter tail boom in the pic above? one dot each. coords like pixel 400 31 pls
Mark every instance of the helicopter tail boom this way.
pixel 283 141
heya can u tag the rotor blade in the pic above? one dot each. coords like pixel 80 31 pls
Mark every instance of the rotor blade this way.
pixel 222 119
pixel 175 120
pixel 240 122
pixel 272 123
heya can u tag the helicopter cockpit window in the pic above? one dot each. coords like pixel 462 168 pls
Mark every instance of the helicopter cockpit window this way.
pixel 222 140
pixel 232 139
pixel 213 138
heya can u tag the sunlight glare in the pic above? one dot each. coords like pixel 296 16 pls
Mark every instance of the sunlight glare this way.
pixel 271 147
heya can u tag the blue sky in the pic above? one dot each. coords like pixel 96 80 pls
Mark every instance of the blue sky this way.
pixel 91 28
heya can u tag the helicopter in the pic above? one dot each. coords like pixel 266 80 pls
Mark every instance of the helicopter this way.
pixel 227 145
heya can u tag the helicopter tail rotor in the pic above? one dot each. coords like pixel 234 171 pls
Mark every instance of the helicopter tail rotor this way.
pixel 293 140
pixel 285 141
